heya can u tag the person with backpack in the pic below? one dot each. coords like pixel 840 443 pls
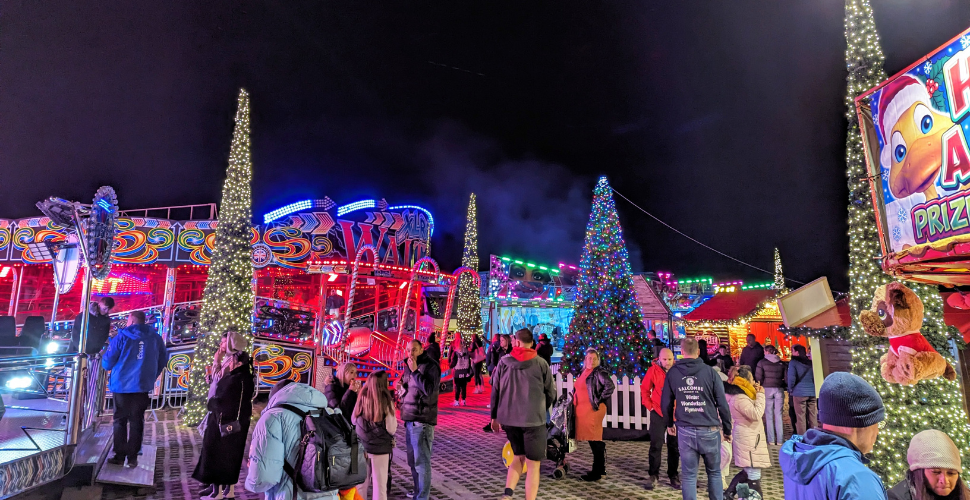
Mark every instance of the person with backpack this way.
pixel 376 424
pixel 801 386
pixel 227 427
pixel 460 361
pixel 478 360
pixel 419 387
pixel 276 443
pixel 770 373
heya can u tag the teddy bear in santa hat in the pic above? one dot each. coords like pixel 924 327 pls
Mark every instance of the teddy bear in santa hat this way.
pixel 897 313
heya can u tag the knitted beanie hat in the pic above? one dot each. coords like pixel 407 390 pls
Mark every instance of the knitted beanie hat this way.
pixel 846 400
pixel 932 449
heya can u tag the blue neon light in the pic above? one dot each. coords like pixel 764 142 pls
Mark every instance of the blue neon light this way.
pixel 103 203
pixel 357 205
pixel 415 207
pixel 283 211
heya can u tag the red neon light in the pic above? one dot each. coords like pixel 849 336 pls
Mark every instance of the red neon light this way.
pixel 123 284
pixel 5 271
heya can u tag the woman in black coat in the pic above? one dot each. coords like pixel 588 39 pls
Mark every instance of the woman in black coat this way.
pixel 342 390
pixel 221 458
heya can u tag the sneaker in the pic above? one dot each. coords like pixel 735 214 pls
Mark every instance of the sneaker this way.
pixel 479 389
pixel 409 494
pixel 591 477
pixel 675 482
pixel 133 463
pixel 488 427
pixel 650 482
pixel 116 460
pixel 463 402
pixel 455 403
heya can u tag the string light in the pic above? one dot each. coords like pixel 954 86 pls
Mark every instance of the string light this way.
pixel 227 302
pixel 779 274
pixel 469 295
pixel 607 316
pixel 930 404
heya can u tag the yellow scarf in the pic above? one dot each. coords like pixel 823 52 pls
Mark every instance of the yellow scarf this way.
pixel 745 386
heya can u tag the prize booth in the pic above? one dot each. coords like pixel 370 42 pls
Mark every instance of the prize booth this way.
pixel 332 283
pixel 914 129
pixel 733 313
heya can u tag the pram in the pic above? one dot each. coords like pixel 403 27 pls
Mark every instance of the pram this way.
pixel 560 426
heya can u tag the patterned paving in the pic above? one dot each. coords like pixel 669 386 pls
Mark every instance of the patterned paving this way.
pixel 467 465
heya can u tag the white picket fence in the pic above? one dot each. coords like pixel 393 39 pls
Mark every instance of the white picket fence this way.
pixel 625 411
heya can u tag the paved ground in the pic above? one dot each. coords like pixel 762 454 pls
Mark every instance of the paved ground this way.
pixel 467 464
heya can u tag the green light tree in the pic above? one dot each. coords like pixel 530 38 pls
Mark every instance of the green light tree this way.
pixel 227 302
pixel 469 296
pixel 935 404
pixel 607 315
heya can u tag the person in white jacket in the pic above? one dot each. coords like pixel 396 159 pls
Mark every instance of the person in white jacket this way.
pixel 747 401
pixel 275 439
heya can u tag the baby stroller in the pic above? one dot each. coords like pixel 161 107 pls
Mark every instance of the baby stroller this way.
pixel 558 443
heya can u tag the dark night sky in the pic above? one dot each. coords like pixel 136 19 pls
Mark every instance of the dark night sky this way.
pixel 726 119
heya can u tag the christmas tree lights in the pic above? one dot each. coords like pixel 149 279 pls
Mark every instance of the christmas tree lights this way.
pixel 227 302
pixel 931 404
pixel 469 295
pixel 607 315
pixel 779 274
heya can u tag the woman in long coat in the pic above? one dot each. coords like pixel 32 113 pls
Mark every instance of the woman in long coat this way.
pixel 748 436
pixel 591 392
pixel 221 458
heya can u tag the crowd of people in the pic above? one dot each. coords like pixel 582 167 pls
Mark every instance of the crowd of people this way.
pixel 716 409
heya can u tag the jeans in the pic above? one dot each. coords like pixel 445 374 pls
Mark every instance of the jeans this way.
pixel 697 442
pixel 774 401
pixel 806 413
pixel 129 413
pixel 419 438
pixel 658 434
pixel 753 473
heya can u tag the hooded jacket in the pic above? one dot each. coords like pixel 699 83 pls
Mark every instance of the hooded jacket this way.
pixel 135 357
pixel 770 371
pixel 522 389
pixel 275 439
pixel 422 386
pixel 801 380
pixel 825 466
pixel 699 393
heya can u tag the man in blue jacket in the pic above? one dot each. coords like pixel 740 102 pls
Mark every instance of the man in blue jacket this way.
pixel 135 357
pixel 702 415
pixel 828 463
pixel 801 387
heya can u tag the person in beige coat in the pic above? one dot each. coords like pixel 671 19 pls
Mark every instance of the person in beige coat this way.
pixel 747 401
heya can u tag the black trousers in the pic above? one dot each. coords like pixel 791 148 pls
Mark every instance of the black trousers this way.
pixel 658 434
pixel 461 388
pixel 129 413
pixel 479 379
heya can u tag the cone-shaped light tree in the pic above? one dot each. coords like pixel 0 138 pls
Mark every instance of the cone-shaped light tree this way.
pixel 607 316
pixel 227 302
pixel 469 296
pixel 930 404
pixel 779 273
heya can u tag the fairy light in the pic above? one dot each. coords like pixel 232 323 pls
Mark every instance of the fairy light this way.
pixel 227 302
pixel 607 315
pixel 936 403
pixel 469 295
pixel 779 274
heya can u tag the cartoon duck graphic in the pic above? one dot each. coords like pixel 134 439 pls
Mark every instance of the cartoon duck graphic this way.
pixel 912 131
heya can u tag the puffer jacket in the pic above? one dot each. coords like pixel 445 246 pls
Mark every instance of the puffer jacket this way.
pixel 340 396
pixel 420 402
pixel 275 439
pixel 750 446
pixel 801 379
pixel 770 371
pixel 600 387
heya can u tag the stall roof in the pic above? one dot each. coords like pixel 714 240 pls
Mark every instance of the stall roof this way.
pixel 729 305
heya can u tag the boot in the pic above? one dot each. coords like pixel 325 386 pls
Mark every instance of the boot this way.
pixel 732 490
pixel 756 486
pixel 599 461
pixel 650 482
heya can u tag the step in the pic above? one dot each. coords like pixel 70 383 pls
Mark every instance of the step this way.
pixel 90 454
pixel 141 476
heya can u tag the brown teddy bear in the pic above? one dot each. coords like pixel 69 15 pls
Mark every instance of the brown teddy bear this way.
pixel 897 313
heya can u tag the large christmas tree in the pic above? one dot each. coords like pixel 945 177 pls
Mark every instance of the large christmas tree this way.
pixel 607 316
pixel 931 404
pixel 227 302
pixel 469 296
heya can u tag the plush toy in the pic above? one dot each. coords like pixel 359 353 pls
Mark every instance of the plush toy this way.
pixel 897 313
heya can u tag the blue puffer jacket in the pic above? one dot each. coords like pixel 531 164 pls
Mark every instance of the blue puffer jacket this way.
pixel 825 466
pixel 135 357
pixel 801 378
pixel 275 439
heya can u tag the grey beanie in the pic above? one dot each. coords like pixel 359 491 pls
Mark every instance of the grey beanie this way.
pixel 847 400
pixel 932 449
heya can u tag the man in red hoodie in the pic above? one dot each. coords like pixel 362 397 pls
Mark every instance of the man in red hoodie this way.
pixel 650 392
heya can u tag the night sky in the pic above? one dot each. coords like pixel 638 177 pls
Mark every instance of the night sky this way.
pixel 724 118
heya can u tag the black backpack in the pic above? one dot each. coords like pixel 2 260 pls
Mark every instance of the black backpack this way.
pixel 330 457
